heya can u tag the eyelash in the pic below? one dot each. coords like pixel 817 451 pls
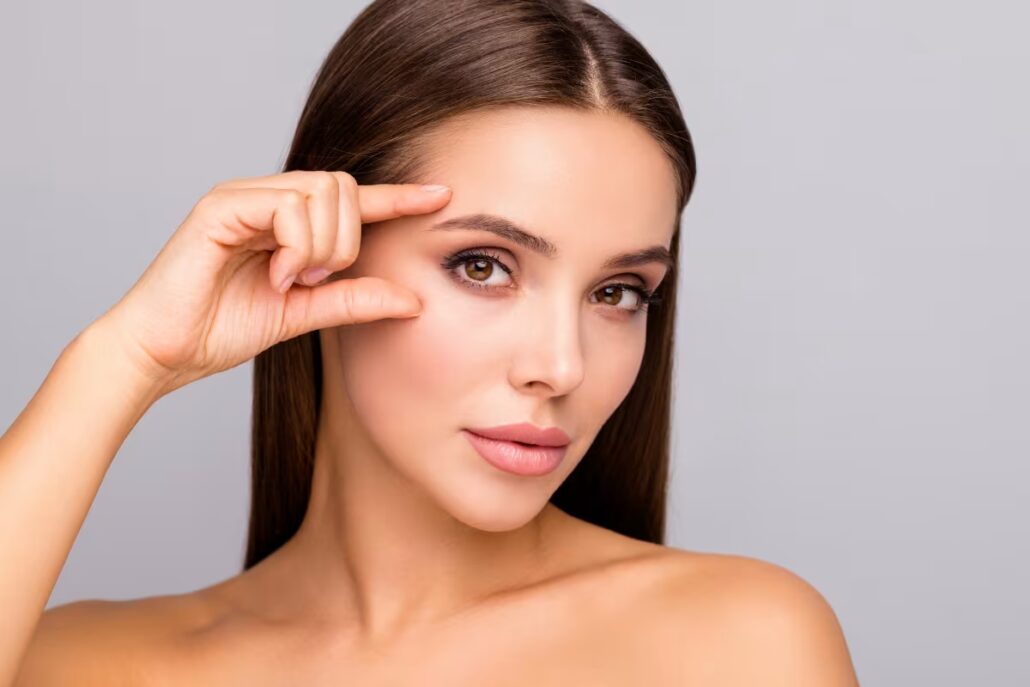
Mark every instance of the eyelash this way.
pixel 647 298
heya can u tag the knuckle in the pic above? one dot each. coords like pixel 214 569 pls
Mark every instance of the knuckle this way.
pixel 209 200
pixel 341 261
pixel 347 258
pixel 347 182
pixel 347 301
pixel 320 257
pixel 293 198
pixel 324 182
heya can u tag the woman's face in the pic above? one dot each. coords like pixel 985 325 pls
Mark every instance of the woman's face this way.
pixel 547 344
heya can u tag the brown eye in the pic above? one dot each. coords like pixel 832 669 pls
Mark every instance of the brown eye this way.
pixel 481 269
pixel 476 268
pixel 613 294
pixel 616 294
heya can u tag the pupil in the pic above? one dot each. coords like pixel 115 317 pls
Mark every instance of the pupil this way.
pixel 481 266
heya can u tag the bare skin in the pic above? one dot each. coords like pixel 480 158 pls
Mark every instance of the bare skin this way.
pixel 416 562
pixel 579 614
pixel 611 611
pixel 178 323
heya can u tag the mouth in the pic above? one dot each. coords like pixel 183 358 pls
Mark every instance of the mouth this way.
pixel 517 457
pixel 525 434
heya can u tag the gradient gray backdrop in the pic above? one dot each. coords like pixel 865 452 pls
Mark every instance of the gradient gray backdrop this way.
pixel 852 388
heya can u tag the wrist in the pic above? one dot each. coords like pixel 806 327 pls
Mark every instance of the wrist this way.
pixel 108 352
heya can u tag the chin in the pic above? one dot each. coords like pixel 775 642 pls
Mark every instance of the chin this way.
pixel 492 510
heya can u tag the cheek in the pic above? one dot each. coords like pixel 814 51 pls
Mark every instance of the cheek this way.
pixel 399 371
pixel 612 366
pixel 410 380
pixel 415 383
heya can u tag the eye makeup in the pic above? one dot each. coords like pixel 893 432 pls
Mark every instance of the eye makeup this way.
pixel 451 262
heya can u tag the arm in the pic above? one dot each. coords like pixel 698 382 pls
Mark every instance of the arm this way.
pixel 180 322
pixel 52 461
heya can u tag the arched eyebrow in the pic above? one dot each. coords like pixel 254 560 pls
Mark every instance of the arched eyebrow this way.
pixel 505 228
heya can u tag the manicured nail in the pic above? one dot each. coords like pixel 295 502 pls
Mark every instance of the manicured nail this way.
pixel 435 188
pixel 287 283
pixel 314 275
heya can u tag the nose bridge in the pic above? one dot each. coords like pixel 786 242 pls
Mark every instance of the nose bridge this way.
pixel 549 348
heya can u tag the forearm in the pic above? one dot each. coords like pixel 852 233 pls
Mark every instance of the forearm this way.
pixel 53 459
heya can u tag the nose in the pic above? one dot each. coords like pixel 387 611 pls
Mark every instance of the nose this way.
pixel 548 353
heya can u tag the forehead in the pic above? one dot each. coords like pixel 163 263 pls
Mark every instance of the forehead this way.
pixel 563 173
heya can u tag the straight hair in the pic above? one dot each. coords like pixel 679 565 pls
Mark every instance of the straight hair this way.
pixel 399 71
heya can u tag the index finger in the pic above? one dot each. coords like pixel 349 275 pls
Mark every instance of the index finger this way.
pixel 378 202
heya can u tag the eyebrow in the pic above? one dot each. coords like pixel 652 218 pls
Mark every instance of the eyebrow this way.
pixel 505 228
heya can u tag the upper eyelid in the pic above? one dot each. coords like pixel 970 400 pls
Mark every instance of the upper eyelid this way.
pixel 507 229
pixel 454 260
pixel 483 252
pixel 469 253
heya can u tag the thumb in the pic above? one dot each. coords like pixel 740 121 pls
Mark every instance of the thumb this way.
pixel 347 301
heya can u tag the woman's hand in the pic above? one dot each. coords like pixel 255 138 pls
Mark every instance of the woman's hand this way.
pixel 219 291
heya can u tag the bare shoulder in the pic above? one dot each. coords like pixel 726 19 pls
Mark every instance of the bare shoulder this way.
pixel 662 615
pixel 726 619
pixel 107 642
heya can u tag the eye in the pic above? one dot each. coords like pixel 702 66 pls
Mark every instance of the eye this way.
pixel 481 268
pixel 644 298
pixel 477 266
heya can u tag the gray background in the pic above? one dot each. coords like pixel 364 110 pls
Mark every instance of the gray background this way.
pixel 852 391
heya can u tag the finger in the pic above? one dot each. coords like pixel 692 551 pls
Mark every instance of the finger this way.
pixel 294 236
pixel 293 179
pixel 363 204
pixel 324 208
pixel 357 205
pixel 348 238
pixel 380 202
pixel 346 301
pixel 297 179
pixel 377 202
pixel 234 217
pixel 322 190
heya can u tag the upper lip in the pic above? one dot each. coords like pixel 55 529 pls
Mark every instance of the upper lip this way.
pixel 525 433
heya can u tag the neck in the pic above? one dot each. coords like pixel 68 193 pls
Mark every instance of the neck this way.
pixel 376 553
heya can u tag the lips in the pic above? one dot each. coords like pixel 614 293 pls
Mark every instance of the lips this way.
pixel 528 460
pixel 524 433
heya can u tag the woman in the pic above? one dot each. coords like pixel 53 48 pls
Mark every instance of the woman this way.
pixel 461 398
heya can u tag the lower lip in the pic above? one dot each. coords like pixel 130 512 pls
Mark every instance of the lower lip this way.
pixel 518 459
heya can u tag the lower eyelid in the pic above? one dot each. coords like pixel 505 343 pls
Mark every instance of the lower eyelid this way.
pixel 640 291
pixel 452 263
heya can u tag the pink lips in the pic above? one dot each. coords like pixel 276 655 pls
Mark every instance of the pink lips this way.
pixel 520 449
pixel 525 433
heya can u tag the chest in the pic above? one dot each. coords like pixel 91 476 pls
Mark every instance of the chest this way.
pixel 549 641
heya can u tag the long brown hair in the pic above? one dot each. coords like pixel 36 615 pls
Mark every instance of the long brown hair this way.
pixel 400 69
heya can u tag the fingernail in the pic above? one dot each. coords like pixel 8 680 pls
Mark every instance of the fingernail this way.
pixel 286 283
pixel 435 188
pixel 314 275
